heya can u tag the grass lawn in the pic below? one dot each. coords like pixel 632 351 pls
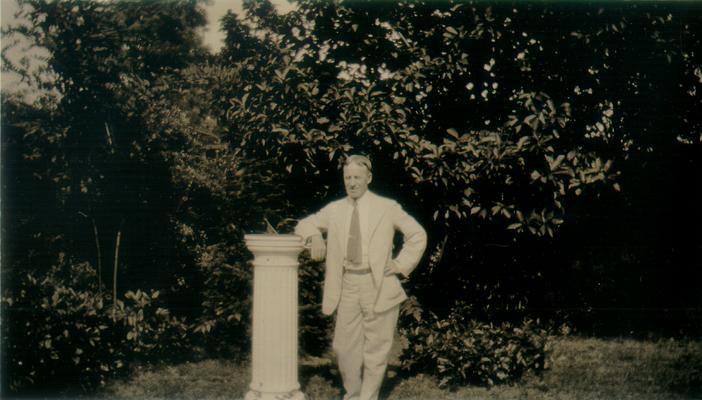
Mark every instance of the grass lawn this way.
pixel 577 368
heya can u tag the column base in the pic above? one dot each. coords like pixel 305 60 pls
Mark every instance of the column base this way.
pixel 256 395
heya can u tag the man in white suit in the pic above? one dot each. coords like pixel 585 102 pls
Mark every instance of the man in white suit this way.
pixel 361 282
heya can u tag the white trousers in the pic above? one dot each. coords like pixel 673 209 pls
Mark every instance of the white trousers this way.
pixel 362 338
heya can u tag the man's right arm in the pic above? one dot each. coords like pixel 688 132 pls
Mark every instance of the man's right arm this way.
pixel 311 229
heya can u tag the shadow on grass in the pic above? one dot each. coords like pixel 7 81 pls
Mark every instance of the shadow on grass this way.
pixel 324 371
pixel 323 381
pixel 320 380
pixel 393 377
pixel 684 375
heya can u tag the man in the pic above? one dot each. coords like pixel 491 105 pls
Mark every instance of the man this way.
pixel 361 282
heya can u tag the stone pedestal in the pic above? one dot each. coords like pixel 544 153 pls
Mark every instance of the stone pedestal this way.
pixel 274 341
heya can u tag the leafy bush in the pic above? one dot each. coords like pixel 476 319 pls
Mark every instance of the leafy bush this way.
pixel 151 332
pixel 59 333
pixel 224 323
pixel 460 350
pixel 315 329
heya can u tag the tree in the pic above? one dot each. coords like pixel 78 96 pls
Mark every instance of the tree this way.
pixel 499 121
pixel 94 142
pixel 513 169
pixel 84 188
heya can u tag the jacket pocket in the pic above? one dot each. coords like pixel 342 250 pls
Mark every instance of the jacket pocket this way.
pixel 390 294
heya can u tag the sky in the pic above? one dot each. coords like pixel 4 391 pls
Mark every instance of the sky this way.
pixel 212 36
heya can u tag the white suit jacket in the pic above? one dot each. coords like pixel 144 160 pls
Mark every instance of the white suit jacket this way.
pixel 385 216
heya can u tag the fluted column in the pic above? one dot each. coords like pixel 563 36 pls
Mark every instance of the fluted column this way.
pixel 274 341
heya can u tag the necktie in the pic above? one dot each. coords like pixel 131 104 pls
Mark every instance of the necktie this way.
pixel 354 253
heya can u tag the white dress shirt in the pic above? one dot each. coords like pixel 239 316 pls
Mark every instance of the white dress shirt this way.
pixel 362 204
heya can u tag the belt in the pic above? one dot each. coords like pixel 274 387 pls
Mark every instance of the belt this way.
pixel 357 271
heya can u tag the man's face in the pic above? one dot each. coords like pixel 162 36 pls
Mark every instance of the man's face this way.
pixel 356 179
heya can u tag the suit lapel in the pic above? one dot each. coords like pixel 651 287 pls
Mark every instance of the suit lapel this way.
pixel 375 213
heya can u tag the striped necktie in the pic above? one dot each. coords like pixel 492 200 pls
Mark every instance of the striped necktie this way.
pixel 354 253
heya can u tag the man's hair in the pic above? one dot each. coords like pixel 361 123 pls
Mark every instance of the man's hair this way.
pixel 359 160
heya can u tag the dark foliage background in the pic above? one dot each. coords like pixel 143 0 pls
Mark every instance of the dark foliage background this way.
pixel 550 149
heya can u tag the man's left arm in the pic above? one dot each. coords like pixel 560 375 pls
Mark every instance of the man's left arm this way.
pixel 414 242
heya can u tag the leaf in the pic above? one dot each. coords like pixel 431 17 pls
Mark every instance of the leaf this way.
pixel 530 119
pixel 553 165
pixel 452 132
pixel 398 100
pixel 522 141
pixel 515 225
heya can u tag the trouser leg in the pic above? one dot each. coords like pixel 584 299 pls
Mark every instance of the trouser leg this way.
pixel 379 330
pixel 348 337
pixel 362 338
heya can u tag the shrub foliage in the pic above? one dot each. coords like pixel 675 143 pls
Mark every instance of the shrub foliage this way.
pixel 461 350
pixel 65 335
